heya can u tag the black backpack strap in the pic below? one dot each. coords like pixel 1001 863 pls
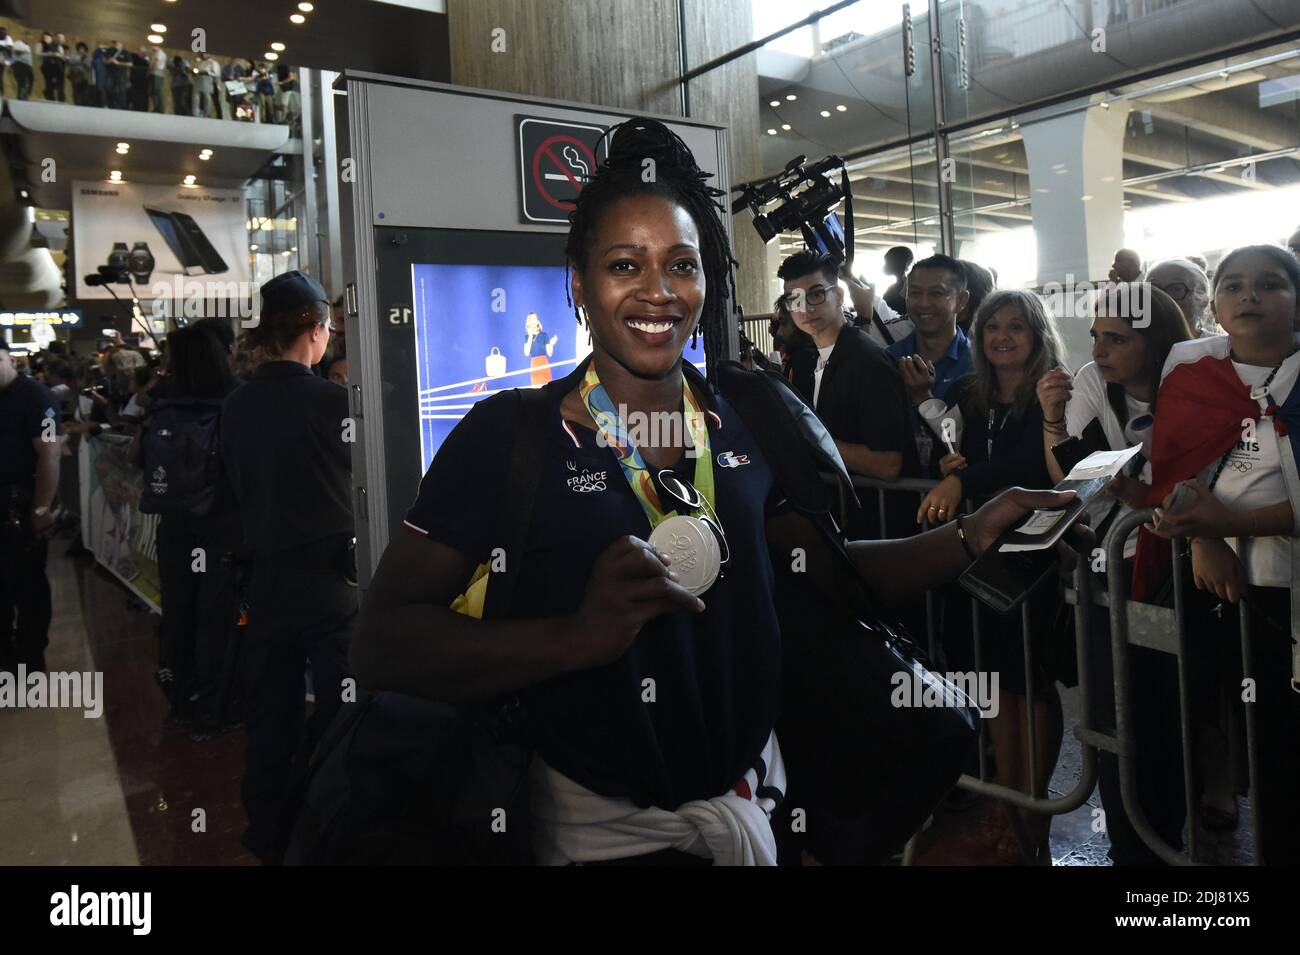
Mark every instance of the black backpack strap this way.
pixel 521 491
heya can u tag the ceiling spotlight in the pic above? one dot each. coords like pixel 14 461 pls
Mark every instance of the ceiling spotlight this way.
pixel 774 103
pixel 791 97
pixel 191 177
pixel 786 127
pixel 253 247
pixel 306 7
pixel 270 56
pixel 277 46
pixel 826 113
pixel 115 175
pixel 297 18
pixel 771 132
pixel 158 27
pixel 154 38
pixel 205 156
pixel 842 108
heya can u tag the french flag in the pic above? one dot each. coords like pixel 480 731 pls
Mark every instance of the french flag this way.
pixel 1199 415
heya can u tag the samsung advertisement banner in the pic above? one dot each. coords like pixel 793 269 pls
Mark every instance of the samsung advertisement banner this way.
pixel 175 242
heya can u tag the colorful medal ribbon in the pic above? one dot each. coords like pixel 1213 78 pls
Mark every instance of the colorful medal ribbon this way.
pixel 614 431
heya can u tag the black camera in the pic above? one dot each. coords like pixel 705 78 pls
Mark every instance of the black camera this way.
pixel 811 210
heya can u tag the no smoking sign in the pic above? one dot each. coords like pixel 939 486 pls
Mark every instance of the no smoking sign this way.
pixel 556 159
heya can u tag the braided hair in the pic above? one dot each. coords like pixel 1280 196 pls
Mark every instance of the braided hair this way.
pixel 675 176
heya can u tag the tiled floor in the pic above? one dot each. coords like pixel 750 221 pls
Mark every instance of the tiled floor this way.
pixel 131 788
pixel 127 788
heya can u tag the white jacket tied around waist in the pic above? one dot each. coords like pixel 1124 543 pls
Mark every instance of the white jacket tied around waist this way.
pixel 574 824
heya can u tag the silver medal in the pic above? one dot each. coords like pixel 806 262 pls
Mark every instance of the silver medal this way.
pixel 694 552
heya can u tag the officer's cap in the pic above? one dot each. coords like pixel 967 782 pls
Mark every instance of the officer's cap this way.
pixel 289 292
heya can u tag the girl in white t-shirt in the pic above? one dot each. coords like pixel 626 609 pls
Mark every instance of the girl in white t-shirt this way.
pixel 1117 389
pixel 1240 508
pixel 1116 393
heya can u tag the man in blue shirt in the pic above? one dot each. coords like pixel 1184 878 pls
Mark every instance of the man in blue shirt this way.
pixel 937 353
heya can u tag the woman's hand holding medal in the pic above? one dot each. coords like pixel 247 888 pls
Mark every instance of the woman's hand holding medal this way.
pixel 630 584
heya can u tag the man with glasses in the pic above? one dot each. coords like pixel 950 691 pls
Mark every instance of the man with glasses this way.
pixel 285 438
pixel 937 353
pixel 849 381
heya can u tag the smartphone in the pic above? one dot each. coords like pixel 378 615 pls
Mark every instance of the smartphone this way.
pixel 1002 581
pixel 207 254
pixel 187 242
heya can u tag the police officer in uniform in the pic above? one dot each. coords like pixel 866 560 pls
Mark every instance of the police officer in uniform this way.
pixel 285 447
pixel 29 477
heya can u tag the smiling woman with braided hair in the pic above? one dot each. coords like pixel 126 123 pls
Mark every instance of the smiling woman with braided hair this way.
pixel 650 710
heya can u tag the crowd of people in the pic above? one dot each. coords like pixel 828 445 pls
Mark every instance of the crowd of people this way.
pixel 1023 418
pixel 147 78
pixel 943 376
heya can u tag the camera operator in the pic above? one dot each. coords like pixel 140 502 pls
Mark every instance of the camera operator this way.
pixel 29 477
pixel 873 315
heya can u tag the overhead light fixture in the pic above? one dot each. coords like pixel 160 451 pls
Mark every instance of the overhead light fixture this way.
pixel 154 38
pixel 774 103
pixel 277 46
pixel 771 132
pixel 270 56
pixel 826 113
pixel 205 156
pixel 286 253
pixel 297 18
pixel 253 247
pixel 786 127
pixel 306 7
pixel 189 180
pixel 158 27
pixel 115 176
pixel 791 97
pixel 1104 105
pixel 842 108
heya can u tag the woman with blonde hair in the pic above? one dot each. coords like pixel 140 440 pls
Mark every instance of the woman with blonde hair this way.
pixel 992 428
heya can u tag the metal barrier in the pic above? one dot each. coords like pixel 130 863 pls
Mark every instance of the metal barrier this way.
pixel 1139 624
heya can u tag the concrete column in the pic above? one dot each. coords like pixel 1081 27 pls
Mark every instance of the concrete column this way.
pixel 1076 174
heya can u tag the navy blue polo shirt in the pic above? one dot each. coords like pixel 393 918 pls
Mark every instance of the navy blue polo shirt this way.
pixel 954 365
pixel 282 443
pixel 24 408
pixel 716 674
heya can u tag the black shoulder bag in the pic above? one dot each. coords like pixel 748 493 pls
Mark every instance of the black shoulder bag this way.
pixel 865 773
pixel 401 780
